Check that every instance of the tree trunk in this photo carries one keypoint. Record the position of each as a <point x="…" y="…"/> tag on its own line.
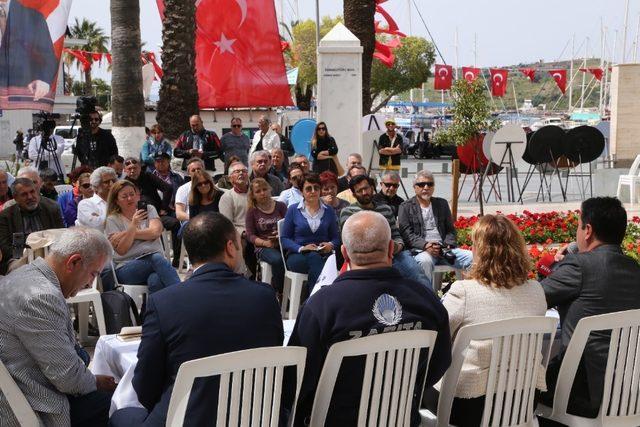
<point x="179" y="89"/>
<point x="358" y="18"/>
<point x="88" y="82"/>
<point x="126" y="79"/>
<point x="303" y="97"/>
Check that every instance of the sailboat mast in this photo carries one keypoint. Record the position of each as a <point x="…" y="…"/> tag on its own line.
<point x="584" y="74"/>
<point x="573" y="54"/>
<point x="624" y="33"/>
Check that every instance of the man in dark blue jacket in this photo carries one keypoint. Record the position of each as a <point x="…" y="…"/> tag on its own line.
<point x="371" y="298"/>
<point x="216" y="311"/>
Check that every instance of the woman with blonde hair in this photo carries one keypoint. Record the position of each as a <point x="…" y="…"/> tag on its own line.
<point x="134" y="232"/>
<point x="263" y="214"/>
<point x="497" y="288"/>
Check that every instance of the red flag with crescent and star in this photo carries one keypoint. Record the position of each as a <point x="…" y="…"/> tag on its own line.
<point x="498" y="81"/>
<point x="470" y="73"/>
<point x="529" y="73"/>
<point x="560" y="77"/>
<point x="443" y="77"/>
<point x="239" y="61"/>
<point x="597" y="72"/>
<point x="31" y="41"/>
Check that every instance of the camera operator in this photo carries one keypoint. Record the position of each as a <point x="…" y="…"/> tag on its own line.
<point x="426" y="226"/>
<point x="100" y="145"/>
<point x="45" y="149"/>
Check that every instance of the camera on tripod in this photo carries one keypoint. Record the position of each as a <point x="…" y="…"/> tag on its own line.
<point x="47" y="151"/>
<point x="85" y="105"/>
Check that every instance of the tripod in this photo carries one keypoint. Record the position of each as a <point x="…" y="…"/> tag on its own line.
<point x="49" y="144"/>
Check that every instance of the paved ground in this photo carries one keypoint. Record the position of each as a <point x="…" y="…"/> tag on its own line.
<point x="468" y="204"/>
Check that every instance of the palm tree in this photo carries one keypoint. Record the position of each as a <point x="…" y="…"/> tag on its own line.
<point x="126" y="79"/>
<point x="97" y="41"/>
<point x="178" y="89"/>
<point x="358" y="18"/>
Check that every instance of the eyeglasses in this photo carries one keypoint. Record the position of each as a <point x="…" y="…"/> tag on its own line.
<point x="262" y="161"/>
<point x="131" y="162"/>
<point x="311" y="188"/>
<point x="390" y="185"/>
<point x="236" y="126"/>
<point x="85" y="185"/>
<point x="203" y="183"/>
<point x="429" y="184"/>
<point x="239" y="171"/>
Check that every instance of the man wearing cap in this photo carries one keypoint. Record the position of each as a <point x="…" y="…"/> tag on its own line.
<point x="390" y="147"/>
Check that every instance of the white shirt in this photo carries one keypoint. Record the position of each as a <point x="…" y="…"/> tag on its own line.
<point x="270" y="141"/>
<point x="182" y="196"/>
<point x="290" y="196"/>
<point x="92" y="212"/>
<point x="34" y="146"/>
<point x="315" y="220"/>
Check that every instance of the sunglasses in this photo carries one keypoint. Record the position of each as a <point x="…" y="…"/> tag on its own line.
<point x="322" y="128"/>
<point x="422" y="184"/>
<point x="312" y="188"/>
<point x="203" y="183"/>
<point x="86" y="185"/>
<point x="131" y="162"/>
<point x="390" y="185"/>
<point x="236" y="126"/>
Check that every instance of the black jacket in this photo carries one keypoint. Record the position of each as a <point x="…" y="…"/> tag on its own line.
<point x="96" y="150"/>
<point x="411" y="223"/>
<point x="149" y="185"/>
<point x="600" y="281"/>
<point x="385" y="142"/>
<point x="211" y="149"/>
<point x="346" y="310"/>
<point x="324" y="144"/>
<point x="394" y="202"/>
<point x="49" y="216"/>
<point x="216" y="311"/>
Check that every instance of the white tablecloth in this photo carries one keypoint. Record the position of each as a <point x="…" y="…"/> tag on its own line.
<point x="118" y="359"/>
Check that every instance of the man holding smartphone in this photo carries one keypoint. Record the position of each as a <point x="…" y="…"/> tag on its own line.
<point x="426" y="226"/>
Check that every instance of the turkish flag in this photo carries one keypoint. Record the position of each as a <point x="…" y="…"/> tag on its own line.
<point x="498" y="81"/>
<point x="529" y="73"/>
<point x="443" y="77"/>
<point x="239" y="61"/>
<point x="560" y="76"/>
<point x="597" y="72"/>
<point x="470" y="73"/>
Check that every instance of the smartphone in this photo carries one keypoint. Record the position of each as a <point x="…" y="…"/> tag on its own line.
<point x="142" y="205"/>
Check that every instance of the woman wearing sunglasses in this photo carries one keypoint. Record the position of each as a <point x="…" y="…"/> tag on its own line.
<point x="310" y="232"/>
<point x="73" y="197"/>
<point x="204" y="195"/>
<point x="84" y="191"/>
<point x="323" y="150"/>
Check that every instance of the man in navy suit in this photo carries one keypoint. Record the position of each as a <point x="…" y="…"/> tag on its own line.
<point x="27" y="58"/>
<point x="216" y="311"/>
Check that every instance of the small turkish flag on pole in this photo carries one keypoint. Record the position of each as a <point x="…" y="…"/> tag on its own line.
<point x="560" y="76"/>
<point x="470" y="73"/>
<point x="443" y="77"/>
<point x="529" y="73"/>
<point x="597" y="72"/>
<point x="498" y="81"/>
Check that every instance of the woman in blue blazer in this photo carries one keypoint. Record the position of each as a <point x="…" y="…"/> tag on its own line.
<point x="310" y="232"/>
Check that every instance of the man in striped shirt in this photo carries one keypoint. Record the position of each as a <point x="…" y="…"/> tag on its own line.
<point x="363" y="188"/>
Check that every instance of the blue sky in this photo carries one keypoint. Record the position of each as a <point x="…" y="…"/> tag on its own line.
<point x="508" y="31"/>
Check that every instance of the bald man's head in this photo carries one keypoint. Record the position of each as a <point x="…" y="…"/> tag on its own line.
<point x="366" y="240"/>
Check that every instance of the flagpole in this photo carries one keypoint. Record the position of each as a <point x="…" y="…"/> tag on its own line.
<point x="573" y="54"/>
<point x="584" y="74"/>
<point x="624" y="34"/>
<point x="635" y="43"/>
<point x="602" y="45"/>
<point x="455" y="43"/>
<point x="317" y="23"/>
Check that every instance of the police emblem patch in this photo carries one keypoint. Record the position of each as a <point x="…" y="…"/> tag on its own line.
<point x="387" y="310"/>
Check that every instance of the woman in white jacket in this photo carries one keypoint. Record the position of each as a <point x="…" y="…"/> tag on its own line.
<point x="498" y="288"/>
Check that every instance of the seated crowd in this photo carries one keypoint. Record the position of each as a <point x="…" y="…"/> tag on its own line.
<point x="389" y="248"/>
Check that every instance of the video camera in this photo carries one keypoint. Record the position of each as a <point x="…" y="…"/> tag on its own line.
<point x="85" y="105"/>
<point x="45" y="124"/>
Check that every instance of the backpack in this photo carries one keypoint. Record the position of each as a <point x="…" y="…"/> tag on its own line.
<point x="118" y="308"/>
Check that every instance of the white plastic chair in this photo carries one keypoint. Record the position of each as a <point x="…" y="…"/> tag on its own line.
<point x="184" y="260"/>
<point x="266" y="272"/>
<point x="620" y="406"/>
<point x="516" y="357"/>
<point x="137" y="292"/>
<point x="388" y="387"/>
<point x="255" y="379"/>
<point x="438" y="274"/>
<point x="83" y="298"/>
<point x="292" y="291"/>
<point x="167" y="240"/>
<point x="631" y="180"/>
<point x="17" y="402"/>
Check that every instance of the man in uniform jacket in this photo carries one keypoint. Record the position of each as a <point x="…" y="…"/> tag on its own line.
<point x="215" y="311"/>
<point x="30" y="213"/>
<point x="371" y="298"/>
<point x="598" y="279"/>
